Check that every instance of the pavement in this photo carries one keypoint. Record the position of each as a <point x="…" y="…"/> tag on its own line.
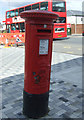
<point x="66" y="89"/>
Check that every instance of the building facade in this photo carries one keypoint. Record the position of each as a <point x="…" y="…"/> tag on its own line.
<point x="75" y="18"/>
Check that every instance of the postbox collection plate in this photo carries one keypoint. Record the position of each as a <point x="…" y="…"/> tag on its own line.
<point x="43" y="46"/>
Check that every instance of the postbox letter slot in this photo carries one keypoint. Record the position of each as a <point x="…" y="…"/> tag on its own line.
<point x="43" y="31"/>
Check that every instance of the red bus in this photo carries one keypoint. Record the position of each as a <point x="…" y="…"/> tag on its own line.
<point x="15" y="24"/>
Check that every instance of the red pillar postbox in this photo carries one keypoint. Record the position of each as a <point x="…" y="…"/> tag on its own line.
<point x="38" y="52"/>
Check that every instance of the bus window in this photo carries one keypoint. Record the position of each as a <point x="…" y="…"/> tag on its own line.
<point x="57" y="30"/>
<point x="28" y="8"/>
<point x="58" y="6"/>
<point x="17" y="26"/>
<point x="8" y="15"/>
<point x="22" y="27"/>
<point x="21" y="10"/>
<point x="12" y="13"/>
<point x="16" y="12"/>
<point x="8" y="28"/>
<point x="44" y="6"/>
<point x="13" y="27"/>
<point x="60" y="20"/>
<point x="35" y="7"/>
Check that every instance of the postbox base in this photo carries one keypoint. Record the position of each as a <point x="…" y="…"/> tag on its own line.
<point x="35" y="105"/>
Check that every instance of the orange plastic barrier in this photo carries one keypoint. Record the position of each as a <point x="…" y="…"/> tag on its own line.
<point x="11" y="37"/>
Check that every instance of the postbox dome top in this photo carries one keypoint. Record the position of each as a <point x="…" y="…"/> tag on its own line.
<point x="38" y="14"/>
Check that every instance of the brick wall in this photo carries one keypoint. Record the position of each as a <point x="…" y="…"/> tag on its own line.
<point x="72" y="29"/>
<point x="79" y="28"/>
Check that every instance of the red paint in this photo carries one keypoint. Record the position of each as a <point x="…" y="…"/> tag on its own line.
<point x="9" y="21"/>
<point x="59" y="34"/>
<point x="20" y="20"/>
<point x="38" y="66"/>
